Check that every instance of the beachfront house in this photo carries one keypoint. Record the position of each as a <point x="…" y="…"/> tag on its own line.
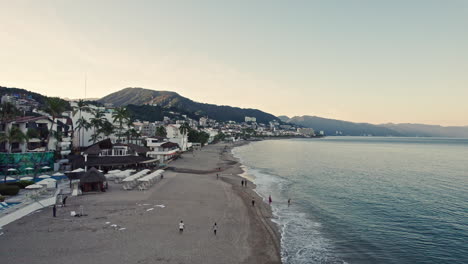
<point x="42" y="135"/>
<point x="106" y="155"/>
<point x="162" y="150"/>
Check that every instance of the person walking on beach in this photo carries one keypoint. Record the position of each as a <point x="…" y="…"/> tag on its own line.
<point x="289" y="202"/>
<point x="269" y="200"/>
<point x="242" y="183"/>
<point x="181" y="227"/>
<point x="54" y="211"/>
<point x="253" y="202"/>
<point x="64" y="201"/>
<point x="215" y="228"/>
<point x="217" y="176"/>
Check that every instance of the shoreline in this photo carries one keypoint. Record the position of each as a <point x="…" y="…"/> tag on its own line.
<point x="262" y="211"/>
<point x="134" y="226"/>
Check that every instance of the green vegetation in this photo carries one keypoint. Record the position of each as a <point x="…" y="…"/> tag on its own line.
<point x="20" y="184"/>
<point x="2" y="198"/>
<point x="55" y="107"/>
<point x="161" y="132"/>
<point x="198" y="136"/>
<point x="13" y="135"/>
<point x="9" y="190"/>
<point x="168" y="100"/>
<point x="121" y="116"/>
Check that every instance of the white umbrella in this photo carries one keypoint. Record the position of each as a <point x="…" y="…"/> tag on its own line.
<point x="57" y="174"/>
<point x="26" y="178"/>
<point x="33" y="186"/>
<point x="44" y="177"/>
<point x="45" y="168"/>
<point x="29" y="168"/>
<point x="10" y="179"/>
<point x="100" y="170"/>
<point x="78" y="170"/>
<point x="48" y="180"/>
<point x="12" y="169"/>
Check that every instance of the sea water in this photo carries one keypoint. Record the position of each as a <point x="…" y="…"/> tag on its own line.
<point x="365" y="199"/>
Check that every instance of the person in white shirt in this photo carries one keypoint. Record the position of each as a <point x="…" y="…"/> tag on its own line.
<point x="181" y="226"/>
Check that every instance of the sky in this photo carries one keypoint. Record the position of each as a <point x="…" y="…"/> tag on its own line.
<point x="399" y="61"/>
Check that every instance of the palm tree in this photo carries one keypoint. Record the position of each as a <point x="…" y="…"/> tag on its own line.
<point x="161" y="132"/>
<point x="55" y="107"/>
<point x="135" y="134"/>
<point x="97" y="122"/>
<point x="81" y="125"/>
<point x="120" y="115"/>
<point x="107" y="128"/>
<point x="8" y="111"/>
<point x="13" y="135"/>
<point x="184" y="128"/>
<point x="81" y="106"/>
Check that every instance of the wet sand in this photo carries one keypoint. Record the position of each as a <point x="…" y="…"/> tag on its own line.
<point x="147" y="233"/>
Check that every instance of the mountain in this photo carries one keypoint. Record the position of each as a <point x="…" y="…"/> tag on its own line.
<point x="333" y="127"/>
<point x="283" y="118"/>
<point x="420" y="130"/>
<point x="166" y="99"/>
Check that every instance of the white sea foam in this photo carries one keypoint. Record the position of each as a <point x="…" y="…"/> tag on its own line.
<point x="301" y="238"/>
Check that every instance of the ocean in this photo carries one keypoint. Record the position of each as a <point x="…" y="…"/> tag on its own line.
<point x="365" y="199"/>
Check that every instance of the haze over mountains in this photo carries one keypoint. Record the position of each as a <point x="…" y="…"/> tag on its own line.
<point x="338" y="127"/>
<point x="152" y="105"/>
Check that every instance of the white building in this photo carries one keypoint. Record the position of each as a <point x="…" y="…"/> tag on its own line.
<point x="250" y="119"/>
<point x="174" y="135"/>
<point x="163" y="151"/>
<point x="203" y="121"/>
<point x="306" y="131"/>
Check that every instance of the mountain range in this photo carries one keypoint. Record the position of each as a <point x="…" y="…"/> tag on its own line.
<point x="344" y="128"/>
<point x="166" y="99"/>
<point x="151" y="105"/>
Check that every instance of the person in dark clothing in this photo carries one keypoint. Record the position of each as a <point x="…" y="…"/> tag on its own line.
<point x="54" y="211"/>
<point x="64" y="201"/>
<point x="215" y="228"/>
<point x="217" y="176"/>
<point x="253" y="202"/>
<point x="242" y="182"/>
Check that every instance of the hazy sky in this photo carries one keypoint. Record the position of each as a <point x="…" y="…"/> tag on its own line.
<point x="366" y="61"/>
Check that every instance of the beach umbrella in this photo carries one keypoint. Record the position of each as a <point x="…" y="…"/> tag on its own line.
<point x="12" y="169"/>
<point x="10" y="179"/>
<point x="49" y="180"/>
<point x="45" y="168"/>
<point x="57" y="174"/>
<point x="26" y="178"/>
<point x="44" y="177"/>
<point x="33" y="186"/>
<point x="29" y="168"/>
<point x="78" y="170"/>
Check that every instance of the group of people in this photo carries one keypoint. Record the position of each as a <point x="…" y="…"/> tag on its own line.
<point x="182" y="226"/>
<point x="244" y="183"/>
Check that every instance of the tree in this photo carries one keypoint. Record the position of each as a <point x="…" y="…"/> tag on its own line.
<point x="184" y="128"/>
<point x="121" y="115"/>
<point x="96" y="123"/>
<point x="81" y="106"/>
<point x="13" y="135"/>
<point x="82" y="125"/>
<point x="8" y="111"/>
<point x="54" y="107"/>
<point x="107" y="128"/>
<point x="161" y="132"/>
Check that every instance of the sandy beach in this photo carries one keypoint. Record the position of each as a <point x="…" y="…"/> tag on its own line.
<point x="142" y="226"/>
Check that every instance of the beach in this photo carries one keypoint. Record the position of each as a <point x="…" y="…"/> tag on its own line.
<point x="142" y="226"/>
